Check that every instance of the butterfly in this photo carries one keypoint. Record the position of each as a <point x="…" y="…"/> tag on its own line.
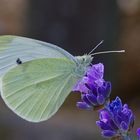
<point x="37" y="86"/>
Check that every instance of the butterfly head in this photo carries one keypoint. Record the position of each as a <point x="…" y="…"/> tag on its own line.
<point x="85" y="60"/>
<point x="82" y="65"/>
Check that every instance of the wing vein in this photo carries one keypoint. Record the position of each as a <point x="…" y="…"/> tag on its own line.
<point x="65" y="82"/>
<point x="22" y="102"/>
<point x="31" y="85"/>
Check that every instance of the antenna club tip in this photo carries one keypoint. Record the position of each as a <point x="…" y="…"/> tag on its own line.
<point x="101" y="41"/>
<point x="122" y="51"/>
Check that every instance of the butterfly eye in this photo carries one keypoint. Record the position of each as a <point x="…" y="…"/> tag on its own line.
<point x="84" y="59"/>
<point x="19" y="61"/>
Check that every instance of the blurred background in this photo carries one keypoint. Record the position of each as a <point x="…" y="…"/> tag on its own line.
<point x="77" y="26"/>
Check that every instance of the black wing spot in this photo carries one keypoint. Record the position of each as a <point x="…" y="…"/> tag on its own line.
<point x="19" y="61"/>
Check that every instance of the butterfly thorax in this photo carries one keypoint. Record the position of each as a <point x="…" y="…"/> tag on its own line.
<point x="82" y="65"/>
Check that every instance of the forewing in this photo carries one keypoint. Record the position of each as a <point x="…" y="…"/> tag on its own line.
<point x="36" y="89"/>
<point x="14" y="47"/>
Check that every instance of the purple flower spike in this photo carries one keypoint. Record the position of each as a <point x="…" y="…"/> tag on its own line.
<point x="94" y="76"/>
<point x="116" y="119"/>
<point x="138" y="132"/>
<point x="95" y="91"/>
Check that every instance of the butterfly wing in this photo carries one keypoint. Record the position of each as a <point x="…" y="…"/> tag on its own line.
<point x="36" y="89"/>
<point x="14" y="47"/>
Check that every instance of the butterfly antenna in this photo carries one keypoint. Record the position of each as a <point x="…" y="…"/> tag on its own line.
<point x="96" y="47"/>
<point x="120" y="51"/>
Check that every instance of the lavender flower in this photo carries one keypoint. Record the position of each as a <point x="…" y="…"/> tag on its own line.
<point x="93" y="76"/>
<point x="116" y="120"/>
<point x="138" y="132"/>
<point x="95" y="91"/>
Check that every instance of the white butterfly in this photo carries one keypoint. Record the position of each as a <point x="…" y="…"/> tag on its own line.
<point x="37" y="87"/>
